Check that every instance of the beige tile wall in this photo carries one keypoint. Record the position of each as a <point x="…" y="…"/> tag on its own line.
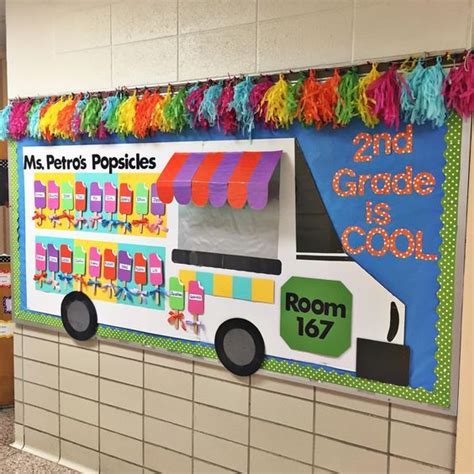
<point x="97" y="406"/>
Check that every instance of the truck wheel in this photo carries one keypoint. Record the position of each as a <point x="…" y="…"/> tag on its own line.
<point x="79" y="316"/>
<point x="240" y="346"/>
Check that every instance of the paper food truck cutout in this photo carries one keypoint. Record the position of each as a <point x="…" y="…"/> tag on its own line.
<point x="256" y="243"/>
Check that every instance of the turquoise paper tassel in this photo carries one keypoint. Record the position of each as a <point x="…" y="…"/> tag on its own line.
<point x="34" y="116"/>
<point x="242" y="107"/>
<point x="4" y="121"/>
<point x="410" y="93"/>
<point x="208" y="107"/>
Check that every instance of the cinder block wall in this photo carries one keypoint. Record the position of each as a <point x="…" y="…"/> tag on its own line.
<point x="98" y="406"/>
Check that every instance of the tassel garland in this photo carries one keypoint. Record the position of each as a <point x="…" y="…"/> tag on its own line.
<point x="413" y="92"/>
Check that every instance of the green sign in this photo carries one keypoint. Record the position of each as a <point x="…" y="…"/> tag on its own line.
<point x="315" y="316"/>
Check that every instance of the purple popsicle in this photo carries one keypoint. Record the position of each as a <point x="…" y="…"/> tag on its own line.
<point x="40" y="195"/>
<point x="53" y="259"/>
<point x="95" y="201"/>
<point x="124" y="269"/>
<point x="157" y="207"/>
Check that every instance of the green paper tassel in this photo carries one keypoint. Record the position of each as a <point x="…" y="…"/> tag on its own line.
<point x="346" y="107"/>
<point x="90" y="116"/>
<point x="175" y="112"/>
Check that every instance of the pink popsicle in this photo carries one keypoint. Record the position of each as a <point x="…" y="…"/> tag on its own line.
<point x="110" y="192"/>
<point x="53" y="196"/>
<point x="156" y="273"/>
<point x="195" y="302"/>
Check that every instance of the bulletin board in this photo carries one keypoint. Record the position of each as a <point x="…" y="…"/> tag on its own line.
<point x="321" y="221"/>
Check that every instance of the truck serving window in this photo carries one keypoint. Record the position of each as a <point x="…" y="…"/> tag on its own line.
<point x="236" y="239"/>
<point x="316" y="238"/>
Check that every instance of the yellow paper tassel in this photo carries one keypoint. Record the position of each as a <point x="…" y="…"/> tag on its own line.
<point x="276" y="102"/>
<point x="126" y="115"/>
<point x="158" y="120"/>
<point x="48" y="122"/>
<point x="364" y="103"/>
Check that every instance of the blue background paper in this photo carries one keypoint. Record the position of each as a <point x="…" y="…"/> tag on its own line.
<point x="413" y="281"/>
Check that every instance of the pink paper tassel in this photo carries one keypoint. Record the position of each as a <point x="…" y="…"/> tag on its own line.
<point x="226" y="117"/>
<point x="384" y="93"/>
<point x="458" y="88"/>
<point x="193" y="102"/>
<point x="256" y="97"/>
<point x="18" y="124"/>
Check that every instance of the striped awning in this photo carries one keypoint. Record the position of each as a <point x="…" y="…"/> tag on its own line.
<point x="235" y="177"/>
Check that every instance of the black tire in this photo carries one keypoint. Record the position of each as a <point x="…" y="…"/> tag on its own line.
<point x="79" y="316"/>
<point x="244" y="352"/>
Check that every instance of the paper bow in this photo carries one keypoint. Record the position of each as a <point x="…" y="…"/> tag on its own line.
<point x="54" y="218"/>
<point x="123" y="289"/>
<point x="143" y="221"/>
<point x="113" y="222"/>
<point x="81" y="220"/>
<point x="80" y="279"/>
<point x="95" y="283"/>
<point x="157" y="227"/>
<point x="38" y="215"/>
<point x="159" y="290"/>
<point x="109" y="286"/>
<point x="67" y="216"/>
<point x="126" y="224"/>
<point x="65" y="277"/>
<point x="95" y="219"/>
<point x="54" y="284"/>
<point x="177" y="316"/>
<point x="137" y="292"/>
<point x="191" y="322"/>
<point x="40" y="276"/>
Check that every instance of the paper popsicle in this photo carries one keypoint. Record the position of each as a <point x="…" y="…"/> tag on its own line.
<point x="156" y="274"/>
<point x="53" y="197"/>
<point x="176" y="298"/>
<point x="124" y="269"/>
<point x="141" y="202"/>
<point x="195" y="303"/>
<point x="157" y="208"/>
<point x="95" y="260"/>
<point x="53" y="263"/>
<point x="110" y="200"/>
<point x="40" y="198"/>
<point x="67" y="199"/>
<point x="110" y="268"/>
<point x="40" y="260"/>
<point x="79" y="264"/>
<point x="65" y="261"/>
<point x="140" y="272"/>
<point x="80" y="202"/>
<point x="125" y="202"/>
<point x="95" y="201"/>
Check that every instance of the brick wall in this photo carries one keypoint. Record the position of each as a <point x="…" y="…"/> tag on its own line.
<point x="100" y="406"/>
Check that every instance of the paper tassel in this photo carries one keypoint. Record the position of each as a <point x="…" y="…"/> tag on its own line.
<point x="327" y="100"/>
<point x="144" y="112"/>
<point x="458" y="87"/>
<point x="175" y="115"/>
<point x="365" y="104"/>
<point x="49" y="119"/>
<point x="34" y="117"/>
<point x="256" y="96"/>
<point x="384" y="97"/>
<point x="90" y="116"/>
<point x="208" y="107"/>
<point x="76" y="118"/>
<point x="108" y="113"/>
<point x="346" y="108"/>
<point x="4" y="121"/>
<point x="18" y="119"/>
<point x="275" y="102"/>
<point x="409" y="94"/>
<point x="126" y="115"/>
<point x="64" y="123"/>
<point x="308" y="106"/>
<point x="159" y="121"/>
<point x="295" y="91"/>
<point x="241" y="104"/>
<point x="226" y="115"/>
<point x="193" y="103"/>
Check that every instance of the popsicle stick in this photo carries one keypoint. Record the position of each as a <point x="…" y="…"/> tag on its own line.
<point x="141" y="225"/>
<point x="80" y="220"/>
<point x="195" y="325"/>
<point x="157" y="296"/>
<point x="124" y="297"/>
<point x="111" y="292"/>
<point x="141" y="296"/>
<point x="110" y="225"/>
<point x="95" y="286"/>
<point x="40" y="223"/>
<point x="125" y="226"/>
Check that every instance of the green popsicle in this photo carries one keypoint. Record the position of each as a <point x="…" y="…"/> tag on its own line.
<point x="67" y="199"/>
<point x="176" y="293"/>
<point x="141" y="201"/>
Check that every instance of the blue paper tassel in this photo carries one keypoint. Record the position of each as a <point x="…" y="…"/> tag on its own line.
<point x="108" y="107"/>
<point x="34" y="117"/>
<point x="4" y="121"/>
<point x="208" y="107"/>
<point x="242" y="107"/>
